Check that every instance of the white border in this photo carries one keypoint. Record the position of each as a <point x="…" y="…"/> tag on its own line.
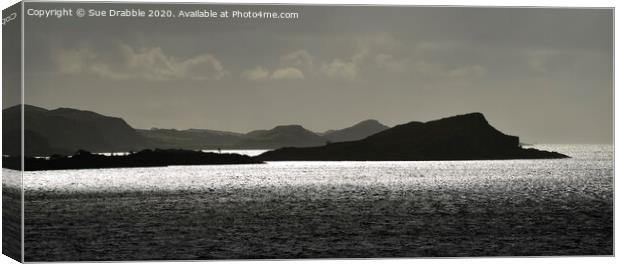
<point x="497" y="3"/>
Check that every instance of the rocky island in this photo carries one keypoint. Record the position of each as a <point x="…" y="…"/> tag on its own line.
<point x="462" y="137"/>
<point x="145" y="158"/>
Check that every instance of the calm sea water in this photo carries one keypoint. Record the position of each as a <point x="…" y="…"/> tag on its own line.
<point x="326" y="209"/>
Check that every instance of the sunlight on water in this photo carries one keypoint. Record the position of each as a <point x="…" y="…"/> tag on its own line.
<point x="249" y="152"/>
<point x="326" y="209"/>
<point x="589" y="168"/>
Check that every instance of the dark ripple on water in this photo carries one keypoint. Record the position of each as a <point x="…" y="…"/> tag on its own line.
<point x="326" y="209"/>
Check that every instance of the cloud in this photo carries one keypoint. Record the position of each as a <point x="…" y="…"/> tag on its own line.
<point x="470" y="71"/>
<point x="390" y="63"/>
<point x="74" y="60"/>
<point x="201" y="67"/>
<point x="370" y="53"/>
<point x="299" y="58"/>
<point x="151" y="64"/>
<point x="372" y="56"/>
<point x="537" y="65"/>
<point x="260" y="73"/>
<point x="340" y="69"/>
<point x="287" y="73"/>
<point x="442" y="71"/>
<point x="256" y="74"/>
<point x="367" y="53"/>
<point x="381" y="41"/>
<point x="539" y="60"/>
<point x="292" y="66"/>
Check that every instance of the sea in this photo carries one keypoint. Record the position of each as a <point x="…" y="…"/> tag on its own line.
<point x="283" y="210"/>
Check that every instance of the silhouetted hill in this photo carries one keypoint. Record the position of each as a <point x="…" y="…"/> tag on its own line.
<point x="190" y="139"/>
<point x="66" y="130"/>
<point x="145" y="158"/>
<point x="281" y="136"/>
<point x="356" y="132"/>
<point x="463" y="137"/>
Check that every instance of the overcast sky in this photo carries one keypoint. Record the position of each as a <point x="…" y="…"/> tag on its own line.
<point x="542" y="74"/>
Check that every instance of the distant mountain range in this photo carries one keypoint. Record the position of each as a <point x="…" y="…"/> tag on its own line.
<point x="281" y="136"/>
<point x="66" y="130"/>
<point x="190" y="138"/>
<point x="465" y="137"/>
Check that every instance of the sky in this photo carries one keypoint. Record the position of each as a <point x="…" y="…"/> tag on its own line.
<point x="544" y="75"/>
